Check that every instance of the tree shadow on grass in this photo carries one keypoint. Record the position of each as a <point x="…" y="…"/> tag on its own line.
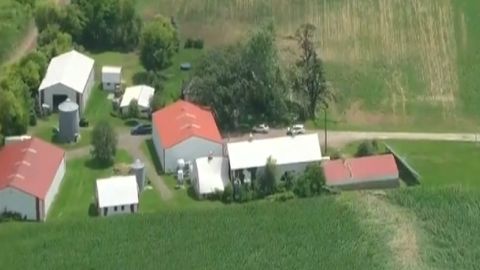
<point x="92" y="210"/>
<point x="94" y="164"/>
<point x="191" y="193"/>
<point x="153" y="156"/>
<point x="131" y="122"/>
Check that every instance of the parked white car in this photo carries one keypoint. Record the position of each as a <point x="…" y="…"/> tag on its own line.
<point x="296" y="129"/>
<point x="262" y="128"/>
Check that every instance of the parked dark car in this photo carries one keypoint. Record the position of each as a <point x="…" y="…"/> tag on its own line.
<point x="141" y="129"/>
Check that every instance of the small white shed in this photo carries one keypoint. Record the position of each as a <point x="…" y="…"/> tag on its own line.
<point x="117" y="195"/>
<point x="211" y="174"/>
<point x="143" y="94"/>
<point x="111" y="77"/>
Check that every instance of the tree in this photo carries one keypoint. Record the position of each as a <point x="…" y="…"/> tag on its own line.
<point x="53" y="42"/>
<point x="158" y="101"/>
<point x="227" y="196"/>
<point x="15" y="104"/>
<point x="47" y="14"/>
<point x="242" y="83"/>
<point x="104" y="142"/>
<point x="309" y="76"/>
<point x="268" y="180"/>
<point x="311" y="182"/>
<point x="158" y="44"/>
<point x="133" y="111"/>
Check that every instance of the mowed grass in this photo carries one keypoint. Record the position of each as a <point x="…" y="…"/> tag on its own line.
<point x="448" y="219"/>
<point x="303" y="234"/>
<point x="76" y="196"/>
<point x="442" y="164"/>
<point x="396" y="64"/>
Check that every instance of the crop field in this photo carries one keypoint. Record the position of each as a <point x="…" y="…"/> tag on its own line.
<point x="304" y="234"/>
<point x="406" y="64"/>
<point x="448" y="221"/>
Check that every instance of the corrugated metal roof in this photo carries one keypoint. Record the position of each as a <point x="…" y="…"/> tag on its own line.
<point x="182" y="120"/>
<point x="360" y="169"/>
<point x="71" y="69"/>
<point x="141" y="93"/>
<point x="212" y="174"/>
<point x="285" y="150"/>
<point x="29" y="166"/>
<point x="118" y="190"/>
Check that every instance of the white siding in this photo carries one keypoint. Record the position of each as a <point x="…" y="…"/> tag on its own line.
<point x="111" y="210"/>
<point x="189" y="150"/>
<point x="13" y="200"/>
<point x="158" y="145"/>
<point x="88" y="89"/>
<point x="297" y="168"/>
<point x="109" y="80"/>
<point x="53" y="190"/>
<point x="58" y="89"/>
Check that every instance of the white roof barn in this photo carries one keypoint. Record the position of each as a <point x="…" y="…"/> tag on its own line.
<point x="69" y="75"/>
<point x="211" y="174"/>
<point x="116" y="194"/>
<point x="141" y="93"/>
<point x="285" y="150"/>
<point x="71" y="69"/>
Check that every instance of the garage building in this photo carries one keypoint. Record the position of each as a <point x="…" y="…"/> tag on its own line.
<point x="373" y="172"/>
<point x="30" y="176"/>
<point x="69" y="75"/>
<point x="291" y="153"/>
<point x="184" y="130"/>
<point x="117" y="195"/>
<point x="143" y="94"/>
<point x="111" y="77"/>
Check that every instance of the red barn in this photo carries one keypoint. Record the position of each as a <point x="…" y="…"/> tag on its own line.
<point x="373" y="172"/>
<point x="31" y="172"/>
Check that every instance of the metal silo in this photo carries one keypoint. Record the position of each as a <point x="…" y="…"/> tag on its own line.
<point x="138" y="169"/>
<point x="68" y="121"/>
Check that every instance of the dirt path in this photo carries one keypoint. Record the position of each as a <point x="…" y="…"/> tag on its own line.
<point x="29" y="41"/>
<point x="133" y="146"/>
<point x="340" y="138"/>
<point x="397" y="224"/>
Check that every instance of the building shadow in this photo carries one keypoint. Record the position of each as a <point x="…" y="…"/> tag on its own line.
<point x="153" y="156"/>
<point x="92" y="210"/>
<point x="97" y="165"/>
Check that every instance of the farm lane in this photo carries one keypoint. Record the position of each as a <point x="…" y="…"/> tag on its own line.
<point x="133" y="146"/>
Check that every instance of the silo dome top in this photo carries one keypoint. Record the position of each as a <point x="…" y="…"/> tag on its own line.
<point x="68" y="106"/>
<point x="137" y="164"/>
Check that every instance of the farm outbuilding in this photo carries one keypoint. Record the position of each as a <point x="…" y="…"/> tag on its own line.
<point x="293" y="154"/>
<point x="184" y="130"/>
<point x="111" y="77"/>
<point x="143" y="94"/>
<point x="210" y="175"/>
<point x="30" y="176"/>
<point x="69" y="75"/>
<point x="117" y="195"/>
<point x="373" y="172"/>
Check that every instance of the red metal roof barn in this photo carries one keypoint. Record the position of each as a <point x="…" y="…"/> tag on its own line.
<point x="373" y="172"/>
<point x="30" y="176"/>
<point x="186" y="131"/>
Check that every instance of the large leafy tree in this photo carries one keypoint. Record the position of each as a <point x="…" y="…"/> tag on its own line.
<point x="268" y="180"/>
<point x="15" y="104"/>
<point x="52" y="41"/>
<point x="158" y="44"/>
<point x="242" y="83"/>
<point x="104" y="142"/>
<point x="309" y="76"/>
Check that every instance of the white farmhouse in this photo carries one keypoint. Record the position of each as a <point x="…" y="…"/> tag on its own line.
<point x="291" y="153"/>
<point x="143" y="94"/>
<point x="111" y="77"/>
<point x="210" y="175"/>
<point x="117" y="195"/>
<point x="69" y="75"/>
<point x="185" y="131"/>
<point x="31" y="172"/>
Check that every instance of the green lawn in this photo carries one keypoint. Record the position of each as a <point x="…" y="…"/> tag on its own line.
<point x="442" y="163"/>
<point x="301" y="234"/>
<point x="77" y="192"/>
<point x="44" y="130"/>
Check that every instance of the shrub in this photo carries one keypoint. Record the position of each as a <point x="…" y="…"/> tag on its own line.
<point x="368" y="148"/>
<point x="227" y="196"/>
<point x="104" y="142"/>
<point x="198" y="43"/>
<point x="133" y="111"/>
<point x="281" y="197"/>
<point x="10" y="216"/>
<point x="188" y="43"/>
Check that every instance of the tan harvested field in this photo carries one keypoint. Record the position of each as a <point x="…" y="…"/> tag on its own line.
<point x="389" y="60"/>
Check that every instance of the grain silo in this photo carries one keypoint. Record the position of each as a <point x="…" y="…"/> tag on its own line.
<point x="68" y="121"/>
<point x="138" y="168"/>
